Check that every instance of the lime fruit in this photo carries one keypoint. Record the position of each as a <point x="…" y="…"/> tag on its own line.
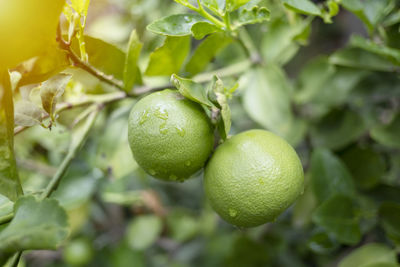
<point x="170" y="136"/>
<point x="253" y="177"/>
<point x="78" y="252"/>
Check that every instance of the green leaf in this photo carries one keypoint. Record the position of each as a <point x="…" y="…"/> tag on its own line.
<point x="337" y="129"/>
<point x="304" y="207"/>
<point x="385" y="193"/>
<point x="27" y="114"/>
<point x="358" y="58"/>
<point x="371" y="12"/>
<point x="175" y="25"/>
<point x="279" y="44"/>
<point x="366" y="166"/>
<point x="392" y="19"/>
<point x="77" y="23"/>
<point x="232" y="5"/>
<point x="66" y="192"/>
<point x="206" y="51"/>
<point x="216" y="6"/>
<point x="36" y="225"/>
<point x="329" y="175"/>
<point x="370" y="255"/>
<point x="312" y="78"/>
<point x="254" y="15"/>
<point x="379" y="49"/>
<point x="6" y="206"/>
<point x="389" y="216"/>
<point x="10" y="185"/>
<point x="182" y="225"/>
<point x="168" y="58"/>
<point x="191" y="90"/>
<point x="51" y="90"/>
<point x="333" y="7"/>
<point x="302" y="6"/>
<point x="103" y="56"/>
<point x="203" y="28"/>
<point x="337" y="215"/>
<point x="143" y="231"/>
<point x="123" y="256"/>
<point x="43" y="67"/>
<point x="266" y="98"/>
<point x="131" y="70"/>
<point x="81" y="6"/>
<point x="388" y="134"/>
<point x="318" y="97"/>
<point x="322" y="243"/>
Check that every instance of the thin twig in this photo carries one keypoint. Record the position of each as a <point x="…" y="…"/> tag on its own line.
<point x="70" y="156"/>
<point x="109" y="79"/>
<point x="146" y="89"/>
<point x="87" y="100"/>
<point x="224" y="72"/>
<point x="16" y="259"/>
<point x="37" y="167"/>
<point x="248" y="45"/>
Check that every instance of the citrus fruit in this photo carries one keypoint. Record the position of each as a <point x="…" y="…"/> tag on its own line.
<point x="78" y="252"/>
<point x="170" y="136"/>
<point x="253" y="177"/>
<point x="27" y="28"/>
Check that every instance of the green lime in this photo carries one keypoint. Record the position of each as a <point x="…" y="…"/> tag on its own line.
<point x="170" y="136"/>
<point x="78" y="252"/>
<point x="253" y="177"/>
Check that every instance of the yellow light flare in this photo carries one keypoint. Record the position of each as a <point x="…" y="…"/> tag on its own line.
<point x="27" y="28"/>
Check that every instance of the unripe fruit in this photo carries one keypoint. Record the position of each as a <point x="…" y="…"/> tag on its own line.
<point x="78" y="252"/>
<point x="253" y="177"/>
<point x="170" y="136"/>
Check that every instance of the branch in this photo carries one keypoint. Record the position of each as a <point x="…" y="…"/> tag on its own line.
<point x="92" y="99"/>
<point x="146" y="89"/>
<point x="71" y="154"/>
<point x="248" y="45"/>
<point x="231" y="70"/>
<point x="36" y="166"/>
<point x="86" y="66"/>
<point x="15" y="260"/>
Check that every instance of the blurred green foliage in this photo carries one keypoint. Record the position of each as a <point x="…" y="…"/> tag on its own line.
<point x="322" y="74"/>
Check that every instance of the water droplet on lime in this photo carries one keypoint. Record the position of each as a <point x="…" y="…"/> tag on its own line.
<point x="161" y="113"/>
<point x="163" y="128"/>
<point x="188" y="163"/>
<point x="180" y="131"/>
<point x="173" y="177"/>
<point x="144" y="117"/>
<point x="152" y="172"/>
<point x="232" y="212"/>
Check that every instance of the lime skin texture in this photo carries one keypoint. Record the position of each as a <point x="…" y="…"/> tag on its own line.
<point x="253" y="177"/>
<point x="170" y="136"/>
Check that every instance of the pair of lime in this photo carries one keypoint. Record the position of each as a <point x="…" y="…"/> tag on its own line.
<point x="250" y="179"/>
